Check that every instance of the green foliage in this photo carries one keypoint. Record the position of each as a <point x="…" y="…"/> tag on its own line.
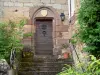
<point x="89" y="30"/>
<point x="10" y="38"/>
<point x="91" y="68"/>
<point x="27" y="35"/>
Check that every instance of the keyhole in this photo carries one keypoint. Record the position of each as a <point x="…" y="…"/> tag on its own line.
<point x="44" y="33"/>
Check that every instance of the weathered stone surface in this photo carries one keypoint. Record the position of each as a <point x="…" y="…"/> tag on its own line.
<point x="19" y="9"/>
<point x="16" y="9"/>
<point x="62" y="28"/>
<point x="26" y="14"/>
<point x="57" y="6"/>
<point x="66" y="35"/>
<point x="1" y="14"/>
<point x="27" y="40"/>
<point x="35" y="4"/>
<point x="60" y="42"/>
<point x="18" y="4"/>
<point x="53" y="1"/>
<point x="27" y="28"/>
<point x="48" y="4"/>
<point x="27" y="1"/>
<point x="8" y="4"/>
<point x="64" y="7"/>
<point x="1" y="4"/>
<point x="66" y="13"/>
<point x="28" y="4"/>
<point x="66" y="22"/>
<point x="58" y="34"/>
<point x="14" y="0"/>
<point x="45" y="1"/>
<point x="4" y="0"/>
<point x="4" y="66"/>
<point x="61" y="1"/>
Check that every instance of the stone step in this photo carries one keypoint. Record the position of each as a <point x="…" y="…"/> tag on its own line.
<point x="45" y="48"/>
<point x="38" y="72"/>
<point x="45" y="60"/>
<point x="42" y="52"/>
<point x="44" y="63"/>
<point x="41" y="68"/>
<point x="27" y="60"/>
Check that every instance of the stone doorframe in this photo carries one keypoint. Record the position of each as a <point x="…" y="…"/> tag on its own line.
<point x="52" y="14"/>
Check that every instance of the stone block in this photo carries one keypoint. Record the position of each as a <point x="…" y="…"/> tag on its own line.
<point x="66" y="13"/>
<point x="57" y="6"/>
<point x="66" y="35"/>
<point x="45" y="1"/>
<point x="28" y="4"/>
<point x="25" y="0"/>
<point x="4" y="66"/>
<point x="26" y="14"/>
<point x="35" y="4"/>
<point x="64" y="7"/>
<point x="66" y="22"/>
<point x="11" y="14"/>
<point x="61" y="1"/>
<point x="8" y="4"/>
<point x="59" y="11"/>
<point x="58" y="34"/>
<point x="27" y="28"/>
<point x="60" y="42"/>
<point x="28" y="1"/>
<point x="1" y="14"/>
<point x="4" y="0"/>
<point x="48" y="4"/>
<point x="1" y="4"/>
<point x="62" y="28"/>
<point x="19" y="9"/>
<point x="18" y="4"/>
<point x="53" y="1"/>
<point x="13" y="0"/>
<point x="26" y="42"/>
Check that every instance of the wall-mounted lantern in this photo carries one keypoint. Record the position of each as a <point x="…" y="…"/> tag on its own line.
<point x="62" y="15"/>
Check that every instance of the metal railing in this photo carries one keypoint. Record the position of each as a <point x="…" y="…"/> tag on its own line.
<point x="12" y="57"/>
<point x="77" y="56"/>
<point x="14" y="60"/>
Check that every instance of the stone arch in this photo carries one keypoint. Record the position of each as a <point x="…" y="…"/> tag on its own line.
<point x="56" y="20"/>
<point x="34" y="11"/>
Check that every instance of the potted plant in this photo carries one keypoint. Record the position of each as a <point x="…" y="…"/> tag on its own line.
<point x="65" y="51"/>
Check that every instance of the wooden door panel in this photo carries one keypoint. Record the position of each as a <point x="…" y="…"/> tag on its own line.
<point x="44" y="41"/>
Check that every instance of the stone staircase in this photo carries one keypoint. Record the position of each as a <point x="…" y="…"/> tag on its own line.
<point x="41" y="65"/>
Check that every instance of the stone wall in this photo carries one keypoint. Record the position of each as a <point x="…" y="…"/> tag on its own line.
<point x="18" y="9"/>
<point x="10" y="9"/>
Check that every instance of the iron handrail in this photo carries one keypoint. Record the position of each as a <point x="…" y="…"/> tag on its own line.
<point x="73" y="48"/>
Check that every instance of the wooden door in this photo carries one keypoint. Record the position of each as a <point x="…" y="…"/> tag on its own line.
<point x="44" y="40"/>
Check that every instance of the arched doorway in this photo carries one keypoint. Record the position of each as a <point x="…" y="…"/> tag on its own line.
<point x="45" y="20"/>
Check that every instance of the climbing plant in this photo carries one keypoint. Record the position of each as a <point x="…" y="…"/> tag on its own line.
<point x="10" y="37"/>
<point x="89" y="29"/>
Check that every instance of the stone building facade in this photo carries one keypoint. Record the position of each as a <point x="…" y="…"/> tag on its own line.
<point x="44" y="21"/>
